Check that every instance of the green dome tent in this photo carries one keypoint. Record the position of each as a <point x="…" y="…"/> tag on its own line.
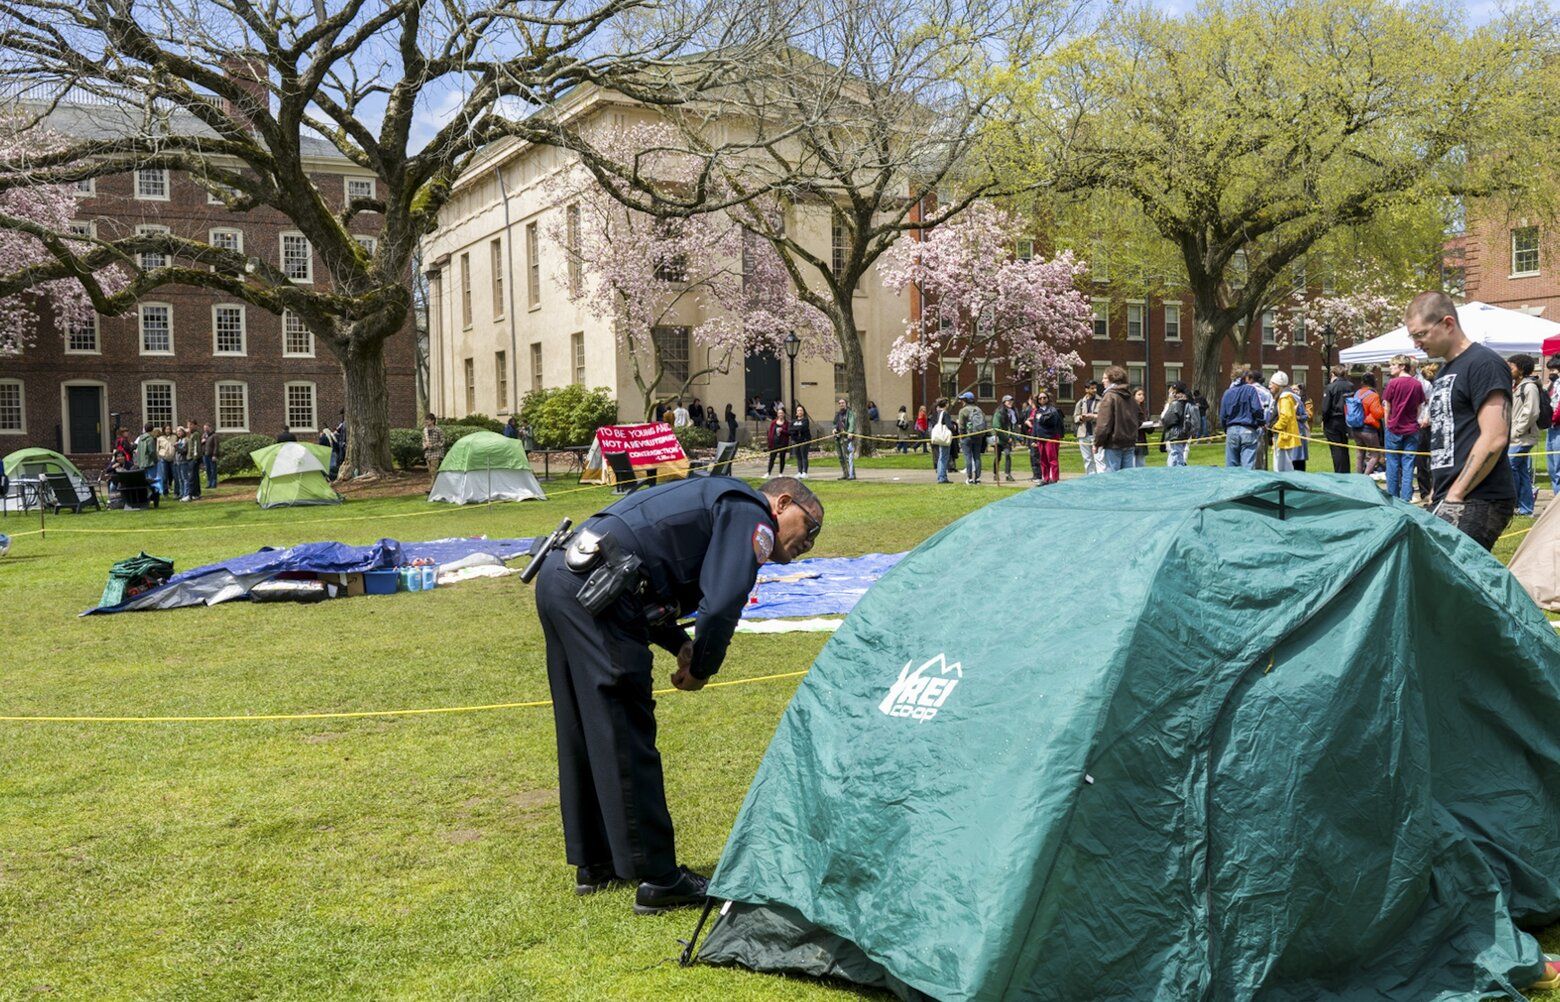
<point x="293" y="473"/>
<point x="1194" y="734"/>
<point x="485" y="466"/>
<point x="32" y="461"/>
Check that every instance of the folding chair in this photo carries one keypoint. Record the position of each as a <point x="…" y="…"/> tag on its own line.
<point x="627" y="481"/>
<point x="66" y="494"/>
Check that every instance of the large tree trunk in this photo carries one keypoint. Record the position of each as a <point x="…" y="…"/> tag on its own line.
<point x="855" y="372"/>
<point x="368" y="409"/>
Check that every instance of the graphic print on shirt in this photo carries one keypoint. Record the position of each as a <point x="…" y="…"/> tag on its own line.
<point x="1443" y="429"/>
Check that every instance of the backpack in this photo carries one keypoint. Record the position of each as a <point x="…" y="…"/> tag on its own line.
<point x="977" y="420"/>
<point x="1354" y="411"/>
<point x="1546" y="415"/>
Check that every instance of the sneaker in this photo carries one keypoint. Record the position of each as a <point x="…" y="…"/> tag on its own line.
<point x="1550" y="979"/>
<point x="688" y="888"/>
<point x="1010" y="478"/>
<point x="597" y="877"/>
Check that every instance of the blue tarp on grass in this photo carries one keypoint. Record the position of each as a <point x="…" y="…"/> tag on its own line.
<point x="834" y="591"/>
<point x="231" y="579"/>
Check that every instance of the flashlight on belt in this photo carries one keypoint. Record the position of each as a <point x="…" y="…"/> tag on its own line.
<point x="543" y="546"/>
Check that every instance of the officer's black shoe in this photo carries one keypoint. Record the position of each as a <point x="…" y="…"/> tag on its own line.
<point x="599" y="877"/>
<point x="688" y="888"/>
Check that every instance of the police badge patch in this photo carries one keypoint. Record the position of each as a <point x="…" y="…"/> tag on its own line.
<point x="763" y="542"/>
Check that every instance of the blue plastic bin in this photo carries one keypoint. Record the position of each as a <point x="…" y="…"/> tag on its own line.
<point x="379" y="582"/>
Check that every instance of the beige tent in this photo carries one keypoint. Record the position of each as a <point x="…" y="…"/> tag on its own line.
<point x="651" y="447"/>
<point x="1537" y="561"/>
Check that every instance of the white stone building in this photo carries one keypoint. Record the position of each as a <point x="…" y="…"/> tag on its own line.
<point x="501" y="322"/>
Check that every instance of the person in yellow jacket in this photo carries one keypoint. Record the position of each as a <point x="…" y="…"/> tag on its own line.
<point x="1287" y="443"/>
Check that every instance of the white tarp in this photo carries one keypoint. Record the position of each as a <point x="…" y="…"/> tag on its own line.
<point x="476" y="486"/>
<point x="1507" y="332"/>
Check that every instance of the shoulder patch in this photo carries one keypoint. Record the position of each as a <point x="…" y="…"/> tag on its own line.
<point x="763" y="542"/>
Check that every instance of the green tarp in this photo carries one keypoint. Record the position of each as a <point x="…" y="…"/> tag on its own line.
<point x="1189" y="734"/>
<point x="293" y="473"/>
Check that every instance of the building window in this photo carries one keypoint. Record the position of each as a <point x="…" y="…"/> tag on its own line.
<point x="82" y="228"/>
<point x="297" y="258"/>
<point x="986" y="380"/>
<point x="151" y="183"/>
<point x="672" y="267"/>
<point x="157" y="404"/>
<point x="1099" y="372"/>
<point x="1172" y="372"/>
<point x="1134" y="321"/>
<point x="151" y="259"/>
<point x="496" y="265"/>
<point x="156" y="329"/>
<point x="300" y="407"/>
<point x="1297" y="330"/>
<point x="501" y="379"/>
<point x="1137" y="374"/>
<point x="226" y="239"/>
<point x="11" y="411"/>
<point x="837" y="238"/>
<point x="1269" y="329"/>
<point x="1524" y="251"/>
<point x="1298" y="286"/>
<point x="227" y="330"/>
<point x="368" y="243"/>
<point x="471" y="386"/>
<point x="1300" y="376"/>
<point x="82" y="338"/>
<point x="572" y="234"/>
<point x="536" y="365"/>
<point x="1172" y="321"/>
<point x="948" y="370"/>
<point x="360" y="187"/>
<point x="1101" y="319"/>
<point x="671" y="346"/>
<point x="297" y="339"/>
<point x="577" y="344"/>
<point x="1064" y="385"/>
<point x="465" y="290"/>
<point x="84" y="188"/>
<point x="232" y="407"/>
<point x="218" y="194"/>
<point x="533" y="266"/>
<point x="1025" y="250"/>
<point x="841" y="383"/>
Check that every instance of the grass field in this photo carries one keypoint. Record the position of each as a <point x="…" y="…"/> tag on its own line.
<point x="381" y="857"/>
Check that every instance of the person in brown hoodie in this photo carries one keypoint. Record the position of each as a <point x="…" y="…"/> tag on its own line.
<point x="1116" y="428"/>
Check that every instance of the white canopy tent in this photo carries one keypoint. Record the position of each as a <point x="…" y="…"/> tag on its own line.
<point x="1508" y="332"/>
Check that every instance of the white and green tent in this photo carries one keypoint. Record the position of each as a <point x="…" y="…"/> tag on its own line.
<point x="293" y="473"/>
<point x="485" y="466"/>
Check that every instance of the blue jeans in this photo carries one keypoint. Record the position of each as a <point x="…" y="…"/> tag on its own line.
<point x="1176" y="453"/>
<point x="971" y="459"/>
<point x="1240" y="446"/>
<point x="940" y="456"/>
<point x="1553" y="458"/>
<point x="1400" y="469"/>
<point x="211" y="470"/>
<point x="1522" y="475"/>
<point x="1118" y="459"/>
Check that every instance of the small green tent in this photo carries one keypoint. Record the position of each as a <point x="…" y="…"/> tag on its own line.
<point x="45" y="460"/>
<point x="1186" y="734"/>
<point x="485" y="466"/>
<point x="293" y="473"/>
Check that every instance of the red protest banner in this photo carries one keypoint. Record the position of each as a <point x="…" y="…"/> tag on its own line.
<point x="646" y="444"/>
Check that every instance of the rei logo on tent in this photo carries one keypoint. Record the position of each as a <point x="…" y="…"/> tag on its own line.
<point x="919" y="695"/>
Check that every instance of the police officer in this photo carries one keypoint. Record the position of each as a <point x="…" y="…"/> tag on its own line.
<point x="620" y="583"/>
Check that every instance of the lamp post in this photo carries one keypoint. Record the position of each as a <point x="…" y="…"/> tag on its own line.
<point x="793" y="344"/>
<point x="1329" y="338"/>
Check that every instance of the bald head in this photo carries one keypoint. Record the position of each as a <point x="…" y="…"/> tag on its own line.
<point x="1431" y="307"/>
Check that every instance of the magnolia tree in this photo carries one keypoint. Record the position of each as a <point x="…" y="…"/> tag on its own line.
<point x="979" y="301"/>
<point x="645" y="274"/>
<point x="38" y="215"/>
<point x="1354" y="316"/>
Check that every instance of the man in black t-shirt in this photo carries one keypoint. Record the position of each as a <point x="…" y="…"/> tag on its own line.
<point x="1470" y="408"/>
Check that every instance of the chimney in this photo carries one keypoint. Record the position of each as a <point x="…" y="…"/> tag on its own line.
<point x="251" y="74"/>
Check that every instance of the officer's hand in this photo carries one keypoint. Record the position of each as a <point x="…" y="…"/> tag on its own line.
<point x="686" y="680"/>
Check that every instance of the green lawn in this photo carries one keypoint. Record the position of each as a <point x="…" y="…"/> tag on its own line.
<point x="411" y="857"/>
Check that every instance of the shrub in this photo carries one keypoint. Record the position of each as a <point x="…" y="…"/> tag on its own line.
<point x="406" y="449"/>
<point x="478" y="421"/>
<point x="568" y="415"/>
<point x="695" y="438"/>
<point x="233" y="452"/>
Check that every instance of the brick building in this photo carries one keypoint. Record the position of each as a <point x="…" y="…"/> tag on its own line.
<point x="1508" y="261"/>
<point x="187" y="352"/>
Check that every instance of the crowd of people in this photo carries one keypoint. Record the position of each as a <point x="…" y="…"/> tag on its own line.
<point x="173" y="456"/>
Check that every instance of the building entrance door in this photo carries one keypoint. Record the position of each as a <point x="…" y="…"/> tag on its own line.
<point x="85" y="407"/>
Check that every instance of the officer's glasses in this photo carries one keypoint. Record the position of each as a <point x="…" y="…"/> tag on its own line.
<point x="813" y="525"/>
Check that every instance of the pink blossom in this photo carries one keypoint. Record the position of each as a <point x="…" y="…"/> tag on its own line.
<point x="1354" y="316"/>
<point x="979" y="301"/>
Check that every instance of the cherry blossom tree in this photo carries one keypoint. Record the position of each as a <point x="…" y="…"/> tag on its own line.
<point x="982" y="302"/>
<point x="1370" y="309"/>
<point x="651" y="277"/>
<point x="34" y="217"/>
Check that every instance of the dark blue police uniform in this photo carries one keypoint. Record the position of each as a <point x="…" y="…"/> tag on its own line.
<point x="696" y="539"/>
